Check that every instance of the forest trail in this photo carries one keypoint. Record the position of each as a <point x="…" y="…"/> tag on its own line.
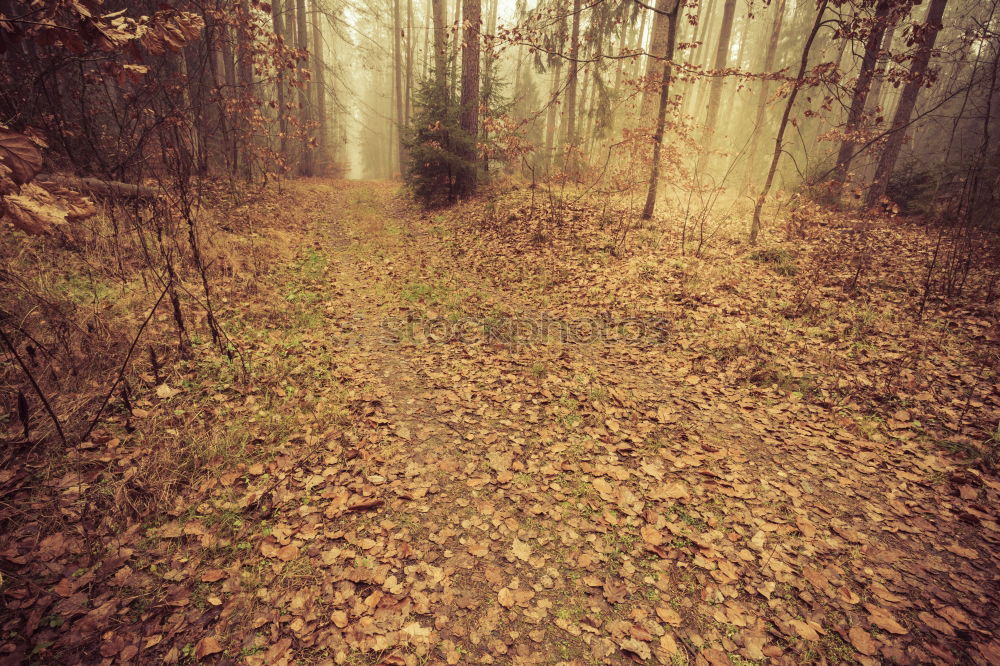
<point x="555" y="501"/>
<point x="484" y="435"/>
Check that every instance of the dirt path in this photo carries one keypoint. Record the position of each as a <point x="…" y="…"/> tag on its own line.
<point x="552" y="502"/>
<point x="482" y="436"/>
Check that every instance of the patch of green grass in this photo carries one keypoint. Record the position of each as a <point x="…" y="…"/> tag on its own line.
<point x="299" y="294"/>
<point x="782" y="260"/>
<point x="737" y="660"/>
<point x="419" y="292"/>
<point x="863" y="322"/>
<point x="85" y="289"/>
<point x="597" y="393"/>
<point x="313" y="265"/>
<point x="681" y="513"/>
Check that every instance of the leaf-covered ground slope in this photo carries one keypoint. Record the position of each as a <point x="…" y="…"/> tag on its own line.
<point x="545" y="451"/>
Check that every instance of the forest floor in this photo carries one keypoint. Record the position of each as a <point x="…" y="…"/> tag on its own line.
<point x="483" y="436"/>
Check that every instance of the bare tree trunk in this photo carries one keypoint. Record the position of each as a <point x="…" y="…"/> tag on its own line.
<point x="721" y="60"/>
<point x="454" y="51"/>
<point x="425" y="61"/>
<point x="765" y="88"/>
<point x="875" y="94"/>
<point x="319" y="65"/>
<point x="661" y="115"/>
<point x="409" y="64"/>
<point x="569" y="136"/>
<point x="662" y="25"/>
<point x="397" y="86"/>
<point x="552" y="114"/>
<point x="789" y="104"/>
<point x="470" y="87"/>
<point x="907" y="101"/>
<point x="229" y="95"/>
<point x="244" y="70"/>
<point x="440" y="61"/>
<point x="620" y="65"/>
<point x="305" y="112"/>
<point x="491" y="27"/>
<point x="873" y="44"/>
<point x="636" y="63"/>
<point x="279" y="30"/>
<point x="693" y="90"/>
<point x="215" y="83"/>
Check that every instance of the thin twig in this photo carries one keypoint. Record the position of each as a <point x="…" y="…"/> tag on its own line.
<point x="34" y="385"/>
<point x="128" y="357"/>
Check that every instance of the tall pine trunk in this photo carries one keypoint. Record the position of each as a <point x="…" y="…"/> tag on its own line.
<point x="305" y="112"/>
<point x="397" y="86"/>
<point x="661" y="114"/>
<point x="440" y="55"/>
<point x="470" y="90"/>
<point x="408" y="97"/>
<point x="279" y="30"/>
<point x="569" y="135"/>
<point x="319" y="66"/>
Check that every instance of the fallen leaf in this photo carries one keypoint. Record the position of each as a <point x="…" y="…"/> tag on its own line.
<point x="862" y="641"/>
<point x="804" y="630"/>
<point x="287" y="553"/>
<point x="164" y="391"/>
<point x="883" y="619"/>
<point x="521" y="550"/>
<point x="207" y="646"/>
<point x="366" y="505"/>
<point x="638" y="648"/>
<point x="668" y="615"/>
<point x="967" y="553"/>
<point x="602" y="486"/>
<point x="806" y="527"/>
<point x="213" y="575"/>
<point x="936" y="623"/>
<point x="651" y="535"/>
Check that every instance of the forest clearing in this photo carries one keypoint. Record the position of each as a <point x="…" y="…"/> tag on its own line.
<point x="462" y="332"/>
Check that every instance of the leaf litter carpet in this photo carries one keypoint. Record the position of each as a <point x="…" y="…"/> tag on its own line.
<point x="499" y="497"/>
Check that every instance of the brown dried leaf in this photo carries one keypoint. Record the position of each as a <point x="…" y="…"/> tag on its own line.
<point x="651" y="535"/>
<point x="806" y="527"/>
<point x="936" y="623"/>
<point x="637" y="648"/>
<point x="21" y="155"/>
<point x="862" y="641"/>
<point x="668" y="615"/>
<point x="213" y="575"/>
<point x="883" y="619"/>
<point x="207" y="646"/>
<point x="804" y="630"/>
<point x="521" y="550"/>
<point x="366" y="505"/>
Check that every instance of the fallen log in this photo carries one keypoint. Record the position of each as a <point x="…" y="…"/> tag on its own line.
<point x="105" y="189"/>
